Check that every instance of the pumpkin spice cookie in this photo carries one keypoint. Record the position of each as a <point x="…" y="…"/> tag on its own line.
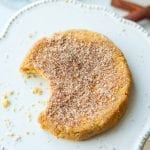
<point x="89" y="80"/>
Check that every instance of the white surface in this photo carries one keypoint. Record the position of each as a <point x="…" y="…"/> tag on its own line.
<point x="7" y="10"/>
<point x="127" y="135"/>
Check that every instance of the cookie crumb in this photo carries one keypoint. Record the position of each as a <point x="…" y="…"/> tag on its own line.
<point x="1" y="138"/>
<point x="123" y="30"/>
<point x="34" y="76"/>
<point x="11" y="134"/>
<point x="29" y="116"/>
<point x="21" y="108"/>
<point x="11" y="92"/>
<point x="33" y="105"/>
<point x="27" y="76"/>
<point x="37" y="90"/>
<point x="5" y="102"/>
<point x="14" y="109"/>
<point x="41" y="84"/>
<point x="6" y="56"/>
<point x="42" y="102"/>
<point x="30" y="35"/>
<point x="8" y="93"/>
<point x="27" y="133"/>
<point x="18" y="138"/>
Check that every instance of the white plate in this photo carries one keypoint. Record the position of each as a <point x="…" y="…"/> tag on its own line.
<point x="43" y="18"/>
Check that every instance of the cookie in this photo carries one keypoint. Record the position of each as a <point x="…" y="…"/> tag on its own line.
<point x="89" y="80"/>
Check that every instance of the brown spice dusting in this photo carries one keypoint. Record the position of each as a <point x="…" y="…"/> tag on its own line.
<point x="82" y="76"/>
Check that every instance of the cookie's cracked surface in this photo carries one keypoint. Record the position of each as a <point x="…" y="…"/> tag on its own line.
<point x="89" y="80"/>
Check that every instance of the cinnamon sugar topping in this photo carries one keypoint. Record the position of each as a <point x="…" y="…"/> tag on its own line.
<point x="82" y="74"/>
